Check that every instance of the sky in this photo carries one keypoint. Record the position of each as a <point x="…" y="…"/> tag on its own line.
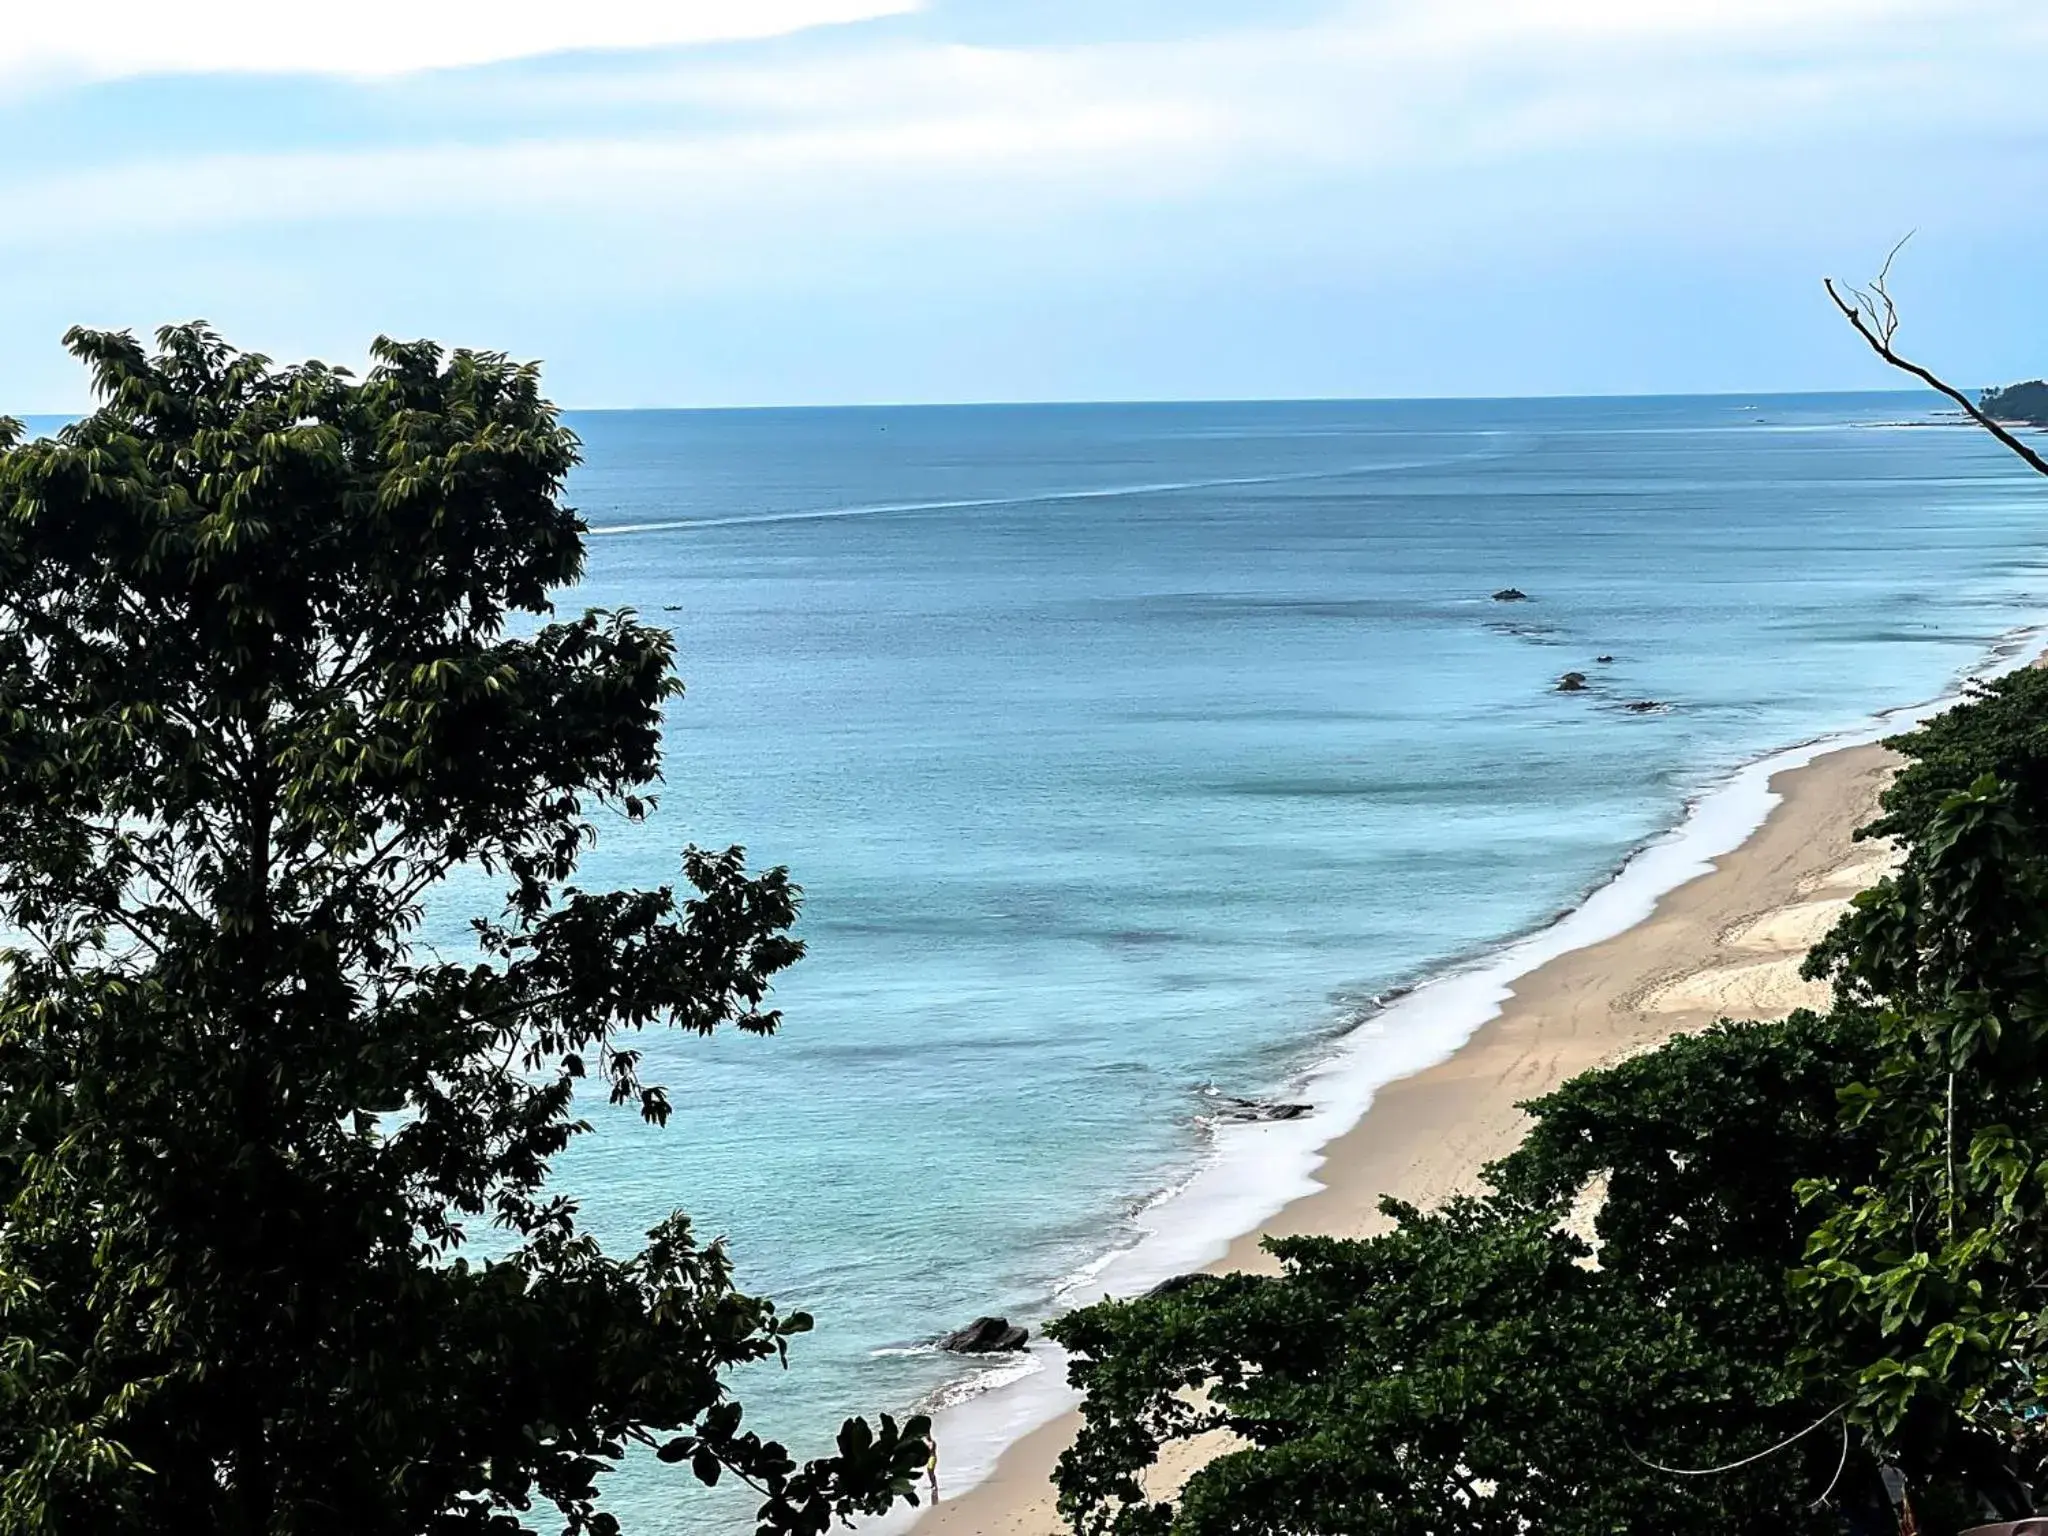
<point x="736" y="202"/>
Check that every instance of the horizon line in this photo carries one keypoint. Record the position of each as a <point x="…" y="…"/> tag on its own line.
<point x="1168" y="400"/>
<point x="1141" y="400"/>
<point x="1165" y="400"/>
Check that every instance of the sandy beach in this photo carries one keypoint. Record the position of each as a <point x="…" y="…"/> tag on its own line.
<point x="1727" y="944"/>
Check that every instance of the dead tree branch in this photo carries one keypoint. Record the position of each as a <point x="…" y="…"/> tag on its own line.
<point x="1876" y="319"/>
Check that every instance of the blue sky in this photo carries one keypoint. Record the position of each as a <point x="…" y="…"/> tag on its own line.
<point x="694" y="202"/>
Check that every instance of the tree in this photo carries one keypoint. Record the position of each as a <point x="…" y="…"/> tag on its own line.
<point x="260" y="694"/>
<point x="1922" y="1281"/>
<point x="1921" y="1289"/>
<point x="1470" y="1371"/>
<point x="2007" y="737"/>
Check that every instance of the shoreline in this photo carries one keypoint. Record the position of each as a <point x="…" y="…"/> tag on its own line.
<point x="1725" y="938"/>
<point x="1708" y="921"/>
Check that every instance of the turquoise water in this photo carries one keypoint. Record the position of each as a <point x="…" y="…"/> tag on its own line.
<point x="1130" y="751"/>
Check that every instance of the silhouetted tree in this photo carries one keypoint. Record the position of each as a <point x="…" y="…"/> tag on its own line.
<point x="259" y="698"/>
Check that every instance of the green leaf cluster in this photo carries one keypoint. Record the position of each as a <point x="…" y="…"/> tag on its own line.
<point x="1474" y="1369"/>
<point x="1923" y="1282"/>
<point x="277" y="658"/>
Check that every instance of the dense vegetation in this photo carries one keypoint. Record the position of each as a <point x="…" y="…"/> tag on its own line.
<point x="1820" y="1252"/>
<point x="2026" y="402"/>
<point x="275" y="662"/>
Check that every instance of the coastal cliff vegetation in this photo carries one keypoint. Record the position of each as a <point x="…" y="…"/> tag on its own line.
<point x="280" y="1253"/>
<point x="1814" y="1297"/>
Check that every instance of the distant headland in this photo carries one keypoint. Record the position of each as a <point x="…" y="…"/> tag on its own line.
<point x="2018" y="402"/>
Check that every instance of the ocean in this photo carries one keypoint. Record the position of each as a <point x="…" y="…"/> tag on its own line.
<point x="1135" y="755"/>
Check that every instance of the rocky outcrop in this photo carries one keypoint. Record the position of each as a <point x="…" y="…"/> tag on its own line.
<point x="986" y="1336"/>
<point x="1511" y="595"/>
<point x="1258" y="1109"/>
<point x="1572" y="682"/>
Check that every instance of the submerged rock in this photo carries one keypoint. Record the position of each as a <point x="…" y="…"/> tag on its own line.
<point x="1646" y="706"/>
<point x="1511" y="595"/>
<point x="1603" y="660"/>
<point x="1572" y="682"/>
<point x="986" y="1336"/>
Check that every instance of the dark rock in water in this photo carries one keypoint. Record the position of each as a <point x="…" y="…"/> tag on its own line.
<point x="1603" y="660"/>
<point x="986" y="1336"/>
<point x="1572" y="682"/>
<point x="671" y="607"/>
<point x="1228" y="1108"/>
<point x="1647" y="706"/>
<point x="1173" y="1285"/>
<point x="1511" y="595"/>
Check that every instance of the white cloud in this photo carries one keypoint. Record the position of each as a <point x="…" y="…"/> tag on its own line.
<point x="914" y="212"/>
<point x="1384" y="115"/>
<point x="694" y="177"/>
<point x="1417" y="82"/>
<point x="113" y="38"/>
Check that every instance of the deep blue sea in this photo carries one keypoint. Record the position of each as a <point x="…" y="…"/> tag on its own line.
<point x="1127" y="754"/>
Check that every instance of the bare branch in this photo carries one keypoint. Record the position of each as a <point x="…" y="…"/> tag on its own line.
<point x="1876" y="321"/>
<point x="1877" y="304"/>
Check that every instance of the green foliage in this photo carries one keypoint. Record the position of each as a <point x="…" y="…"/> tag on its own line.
<point x="1465" y="1373"/>
<point x="257" y="699"/>
<point x="1470" y="1372"/>
<point x="2017" y="402"/>
<point x="2002" y="731"/>
<point x="1696" y="1147"/>
<point x="1924" y="1281"/>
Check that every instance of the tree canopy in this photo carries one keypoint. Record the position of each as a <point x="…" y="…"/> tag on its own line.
<point x="1473" y="1370"/>
<point x="261" y="694"/>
